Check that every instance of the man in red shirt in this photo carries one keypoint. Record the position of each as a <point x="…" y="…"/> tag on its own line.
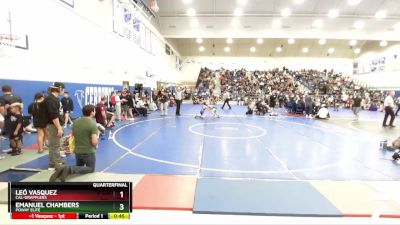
<point x="104" y="117"/>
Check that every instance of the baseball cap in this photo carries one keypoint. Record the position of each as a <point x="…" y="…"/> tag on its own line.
<point x="58" y="85"/>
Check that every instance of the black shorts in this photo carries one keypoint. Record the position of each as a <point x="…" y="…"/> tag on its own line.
<point x="40" y="125"/>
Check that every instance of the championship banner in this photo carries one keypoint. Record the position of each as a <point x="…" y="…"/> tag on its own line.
<point x="126" y="23"/>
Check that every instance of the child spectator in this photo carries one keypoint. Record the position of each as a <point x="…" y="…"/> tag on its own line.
<point x="16" y="128"/>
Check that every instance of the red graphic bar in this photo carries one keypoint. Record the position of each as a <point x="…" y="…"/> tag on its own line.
<point x="41" y="216"/>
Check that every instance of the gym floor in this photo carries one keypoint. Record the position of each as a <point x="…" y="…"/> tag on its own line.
<point x="199" y="162"/>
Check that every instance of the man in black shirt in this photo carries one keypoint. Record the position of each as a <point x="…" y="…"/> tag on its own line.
<point x="54" y="123"/>
<point x="356" y="106"/>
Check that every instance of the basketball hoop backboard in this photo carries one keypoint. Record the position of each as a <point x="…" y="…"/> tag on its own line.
<point x="11" y="34"/>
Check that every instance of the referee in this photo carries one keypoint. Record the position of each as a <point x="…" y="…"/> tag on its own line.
<point x="389" y="106"/>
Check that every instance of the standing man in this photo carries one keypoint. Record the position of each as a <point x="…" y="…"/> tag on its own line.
<point x="163" y="99"/>
<point x="86" y="139"/>
<point x="178" y="100"/>
<point x="68" y="108"/>
<point x="227" y="97"/>
<point x="309" y="105"/>
<point x="118" y="106"/>
<point x="356" y="106"/>
<point x="55" y="121"/>
<point x="389" y="106"/>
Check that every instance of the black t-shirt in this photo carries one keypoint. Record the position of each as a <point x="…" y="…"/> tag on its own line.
<point x="37" y="110"/>
<point x="124" y="98"/>
<point x="67" y="104"/>
<point x="52" y="107"/>
<point x="14" y="121"/>
<point x="357" y="102"/>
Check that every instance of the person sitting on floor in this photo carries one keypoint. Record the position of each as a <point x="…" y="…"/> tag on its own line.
<point x="323" y="113"/>
<point x="141" y="107"/>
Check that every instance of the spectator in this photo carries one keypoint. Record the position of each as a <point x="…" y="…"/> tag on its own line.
<point x="124" y="104"/>
<point x="38" y="113"/>
<point x="68" y="108"/>
<point x="163" y="99"/>
<point x="16" y="128"/>
<point x="398" y="106"/>
<point x="6" y="100"/>
<point x="356" y="107"/>
<point x="141" y="107"/>
<point x="86" y="139"/>
<point x="308" y="106"/>
<point x="323" y="113"/>
<point x="54" y="123"/>
<point x="118" y="108"/>
<point x="103" y="116"/>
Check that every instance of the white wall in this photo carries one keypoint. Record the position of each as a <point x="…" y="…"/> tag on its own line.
<point x="191" y="64"/>
<point x="78" y="45"/>
<point x="388" y="79"/>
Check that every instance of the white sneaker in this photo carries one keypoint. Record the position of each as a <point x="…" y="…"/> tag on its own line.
<point x="7" y="150"/>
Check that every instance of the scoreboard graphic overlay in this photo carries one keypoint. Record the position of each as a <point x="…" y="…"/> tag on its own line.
<point x="94" y="200"/>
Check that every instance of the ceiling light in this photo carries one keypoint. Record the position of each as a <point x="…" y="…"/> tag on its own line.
<point x="279" y="49"/>
<point x="298" y="2"/>
<point x="357" y="51"/>
<point x="260" y="41"/>
<point x="242" y="2"/>
<point x="229" y="41"/>
<point x="276" y="23"/>
<point x="396" y="27"/>
<point x="331" y="50"/>
<point x="383" y="43"/>
<point x="191" y="12"/>
<point x="333" y="13"/>
<point x="194" y="23"/>
<point x="322" y="41"/>
<point x="359" y="25"/>
<point x="353" y="2"/>
<point x="187" y="2"/>
<point x="380" y="14"/>
<point x="201" y="49"/>
<point x="235" y="23"/>
<point x="238" y="12"/>
<point x="318" y="23"/>
<point x="199" y="40"/>
<point x="286" y="12"/>
<point x="291" y="41"/>
<point x="227" y="49"/>
<point x="253" y="49"/>
<point x="352" y="42"/>
<point x="305" y="50"/>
